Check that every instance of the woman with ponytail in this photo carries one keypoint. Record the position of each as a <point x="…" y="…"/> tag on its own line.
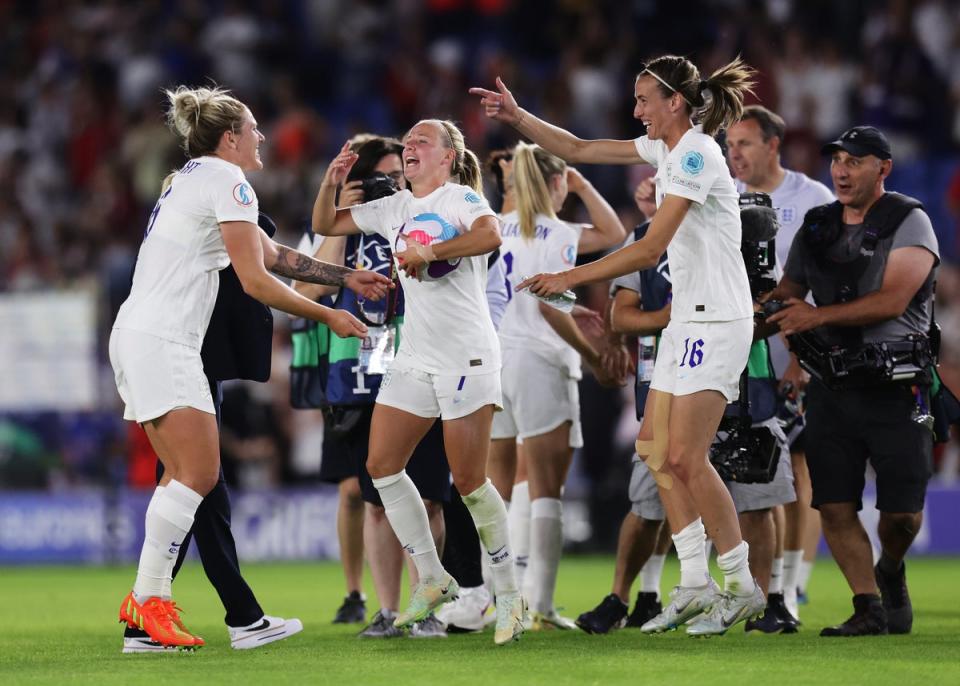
<point x="704" y="349"/>
<point x="542" y="349"/>
<point x="441" y="230"/>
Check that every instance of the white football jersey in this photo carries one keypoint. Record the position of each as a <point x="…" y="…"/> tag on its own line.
<point x="552" y="249"/>
<point x="176" y="281"/>
<point x="447" y="327"/>
<point x="796" y="194"/>
<point x="709" y="277"/>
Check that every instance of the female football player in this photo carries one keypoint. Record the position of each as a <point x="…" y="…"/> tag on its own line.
<point x="205" y="219"/>
<point x="448" y="362"/>
<point x="705" y="347"/>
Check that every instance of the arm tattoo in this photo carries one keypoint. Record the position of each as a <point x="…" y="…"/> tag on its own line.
<point x="295" y="265"/>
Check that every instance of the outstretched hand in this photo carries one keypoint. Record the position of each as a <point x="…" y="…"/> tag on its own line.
<point x="368" y="284"/>
<point x="345" y="324"/>
<point x="499" y="104"/>
<point x="546" y="284"/>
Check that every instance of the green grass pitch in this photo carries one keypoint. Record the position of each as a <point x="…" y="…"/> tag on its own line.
<point x="59" y="627"/>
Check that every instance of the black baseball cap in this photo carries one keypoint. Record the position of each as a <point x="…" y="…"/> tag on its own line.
<point x="861" y="141"/>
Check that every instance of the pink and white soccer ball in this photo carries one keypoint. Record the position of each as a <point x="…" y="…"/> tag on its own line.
<point x="429" y="229"/>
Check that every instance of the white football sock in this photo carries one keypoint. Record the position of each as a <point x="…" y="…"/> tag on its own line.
<point x="408" y="517"/>
<point x="168" y="521"/>
<point x="736" y="570"/>
<point x="546" y="546"/>
<point x="651" y="573"/>
<point x="690" y="551"/>
<point x="792" y="559"/>
<point x="518" y="526"/>
<point x="490" y="517"/>
<point x="776" y="576"/>
<point x="804" y="577"/>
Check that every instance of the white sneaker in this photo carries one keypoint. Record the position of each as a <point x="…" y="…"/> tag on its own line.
<point x="265" y="630"/>
<point x="685" y="604"/>
<point x="145" y="644"/>
<point x="728" y="610"/>
<point x="466" y="613"/>
<point x="511" y="618"/>
<point x="431" y="627"/>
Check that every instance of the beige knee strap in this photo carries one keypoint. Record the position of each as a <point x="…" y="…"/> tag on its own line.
<point x="656" y="450"/>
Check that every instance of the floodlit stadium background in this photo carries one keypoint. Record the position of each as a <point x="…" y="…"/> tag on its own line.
<point x="83" y="149"/>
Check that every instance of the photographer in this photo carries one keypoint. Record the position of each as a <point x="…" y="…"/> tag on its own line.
<point x="869" y="260"/>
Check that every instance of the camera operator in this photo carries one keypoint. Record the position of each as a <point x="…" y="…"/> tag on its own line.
<point x="869" y="260"/>
<point x="753" y="151"/>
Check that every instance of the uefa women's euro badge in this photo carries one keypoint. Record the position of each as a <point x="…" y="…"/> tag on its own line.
<point x="377" y="349"/>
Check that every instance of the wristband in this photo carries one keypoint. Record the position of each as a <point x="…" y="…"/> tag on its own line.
<point x="425" y="252"/>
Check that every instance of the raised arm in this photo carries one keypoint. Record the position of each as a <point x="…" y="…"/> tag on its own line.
<point x="243" y="244"/>
<point x="607" y="229"/>
<point x="641" y="254"/>
<point x="326" y="219"/>
<point x="502" y="106"/>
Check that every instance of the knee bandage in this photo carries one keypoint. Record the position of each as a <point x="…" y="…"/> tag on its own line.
<point x="655" y="450"/>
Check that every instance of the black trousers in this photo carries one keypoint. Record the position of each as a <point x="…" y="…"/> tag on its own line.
<point x="218" y="550"/>
<point x="461" y="551"/>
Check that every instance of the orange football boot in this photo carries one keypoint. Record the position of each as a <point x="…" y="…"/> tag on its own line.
<point x="154" y="617"/>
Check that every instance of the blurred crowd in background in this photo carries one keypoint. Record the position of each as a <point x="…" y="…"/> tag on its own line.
<point x="84" y="147"/>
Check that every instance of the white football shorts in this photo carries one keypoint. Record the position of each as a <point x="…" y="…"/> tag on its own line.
<point x="703" y="356"/>
<point x="438" y="395"/>
<point x="538" y="396"/>
<point x="155" y="375"/>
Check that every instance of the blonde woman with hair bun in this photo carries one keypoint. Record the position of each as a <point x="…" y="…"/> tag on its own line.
<point x="205" y="219"/>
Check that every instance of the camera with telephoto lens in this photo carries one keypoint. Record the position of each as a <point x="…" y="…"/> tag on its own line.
<point x="378" y="185"/>
<point x="757" y="244"/>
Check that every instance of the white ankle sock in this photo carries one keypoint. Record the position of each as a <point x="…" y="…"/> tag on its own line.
<point x="650" y="574"/>
<point x="690" y="551"/>
<point x="776" y="576"/>
<point x="518" y="527"/>
<point x="408" y="518"/>
<point x="546" y="546"/>
<point x="490" y="517"/>
<point x="804" y="577"/>
<point x="736" y="570"/>
<point x="168" y="521"/>
<point x="792" y="560"/>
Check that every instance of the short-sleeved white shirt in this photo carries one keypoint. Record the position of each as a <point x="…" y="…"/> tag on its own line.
<point x="709" y="277"/>
<point x="552" y="249"/>
<point x="447" y="327"/>
<point x="175" y="282"/>
<point x="796" y="194"/>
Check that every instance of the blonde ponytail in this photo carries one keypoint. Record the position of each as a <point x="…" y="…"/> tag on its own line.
<point x="533" y="167"/>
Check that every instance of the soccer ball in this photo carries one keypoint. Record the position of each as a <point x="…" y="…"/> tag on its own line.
<point x="429" y="229"/>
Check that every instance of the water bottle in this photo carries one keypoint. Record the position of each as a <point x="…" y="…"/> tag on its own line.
<point x="561" y="301"/>
<point x="646" y="358"/>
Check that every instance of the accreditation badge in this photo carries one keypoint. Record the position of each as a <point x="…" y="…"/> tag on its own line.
<point x="377" y="349"/>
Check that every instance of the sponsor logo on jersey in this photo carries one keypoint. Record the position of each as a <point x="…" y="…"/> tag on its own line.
<point x="692" y="162"/>
<point x="569" y="254"/>
<point x="685" y="182"/>
<point x="243" y="194"/>
<point x="472" y="197"/>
